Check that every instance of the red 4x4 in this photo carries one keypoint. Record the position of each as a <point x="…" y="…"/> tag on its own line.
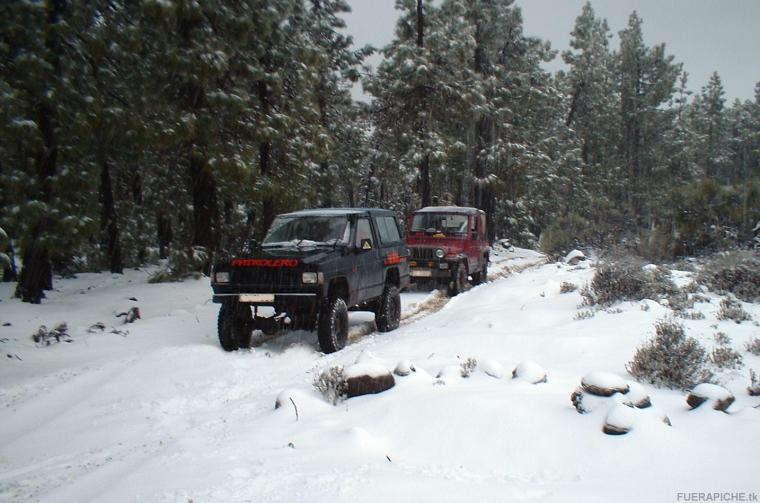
<point x="448" y="244"/>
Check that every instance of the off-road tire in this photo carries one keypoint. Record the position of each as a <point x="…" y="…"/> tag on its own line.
<point x="332" y="330"/>
<point x="482" y="275"/>
<point x="388" y="313"/>
<point x="234" y="326"/>
<point x="459" y="280"/>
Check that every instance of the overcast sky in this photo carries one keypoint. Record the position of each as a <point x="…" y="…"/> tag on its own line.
<point x="704" y="35"/>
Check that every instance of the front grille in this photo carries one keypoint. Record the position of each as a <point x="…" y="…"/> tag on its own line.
<point x="267" y="279"/>
<point x="423" y="253"/>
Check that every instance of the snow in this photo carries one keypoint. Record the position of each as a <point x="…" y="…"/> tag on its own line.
<point x="711" y="391"/>
<point x="160" y="413"/>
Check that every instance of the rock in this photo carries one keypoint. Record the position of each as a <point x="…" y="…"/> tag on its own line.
<point x="492" y="368"/>
<point x="574" y="257"/>
<point x="367" y="378"/>
<point x="637" y="396"/>
<point x="585" y="403"/>
<point x="404" y="368"/>
<point x="529" y="371"/>
<point x="720" y="396"/>
<point x="620" y="420"/>
<point x="284" y="398"/>
<point x="604" y="384"/>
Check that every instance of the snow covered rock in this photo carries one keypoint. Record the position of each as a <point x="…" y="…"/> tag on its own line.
<point x="720" y="396"/>
<point x="637" y="396"/>
<point x="620" y="420"/>
<point x="284" y="398"/>
<point x="529" y="371"/>
<point x="367" y="378"/>
<point x="450" y="372"/>
<point x="585" y="402"/>
<point x="404" y="368"/>
<point x="604" y="384"/>
<point x="492" y="368"/>
<point x="574" y="257"/>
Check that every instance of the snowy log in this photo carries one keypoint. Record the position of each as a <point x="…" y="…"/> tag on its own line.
<point x="720" y="396"/>
<point x="367" y="379"/>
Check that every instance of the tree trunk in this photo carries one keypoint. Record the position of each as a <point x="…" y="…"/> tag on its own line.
<point x="268" y="211"/>
<point x="36" y="272"/>
<point x="205" y="212"/>
<point x="423" y="168"/>
<point x="108" y="222"/>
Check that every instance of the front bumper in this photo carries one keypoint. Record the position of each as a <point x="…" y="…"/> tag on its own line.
<point x="278" y="300"/>
<point x="429" y="269"/>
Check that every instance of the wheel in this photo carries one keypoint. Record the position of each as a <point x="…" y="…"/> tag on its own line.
<point x="482" y="275"/>
<point x="388" y="312"/>
<point x="459" y="280"/>
<point x="332" y="330"/>
<point x="234" y="326"/>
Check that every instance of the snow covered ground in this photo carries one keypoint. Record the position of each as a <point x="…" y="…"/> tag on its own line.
<point x="160" y="413"/>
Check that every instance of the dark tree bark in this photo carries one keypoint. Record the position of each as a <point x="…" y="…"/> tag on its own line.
<point x="423" y="186"/>
<point x="36" y="272"/>
<point x="265" y="165"/>
<point x="205" y="211"/>
<point x="165" y="235"/>
<point x="108" y="220"/>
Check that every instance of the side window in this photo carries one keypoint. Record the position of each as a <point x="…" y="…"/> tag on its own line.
<point x="363" y="231"/>
<point x="482" y="232"/>
<point x="388" y="229"/>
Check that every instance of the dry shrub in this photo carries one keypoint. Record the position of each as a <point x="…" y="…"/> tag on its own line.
<point x="723" y="355"/>
<point x="731" y="309"/>
<point x="332" y="384"/>
<point x="671" y="359"/>
<point x="566" y="287"/>
<point x="753" y="346"/>
<point x="737" y="272"/>
<point x="622" y="279"/>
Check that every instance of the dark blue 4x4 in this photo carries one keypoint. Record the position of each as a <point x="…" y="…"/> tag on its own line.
<point x="310" y="270"/>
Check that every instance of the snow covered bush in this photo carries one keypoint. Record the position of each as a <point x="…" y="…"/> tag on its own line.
<point x="332" y="384"/>
<point x="564" y="234"/>
<point x="671" y="359"/>
<point x="468" y="367"/>
<point x="737" y="272"/>
<point x="567" y="287"/>
<point x="181" y="264"/>
<point x="753" y="346"/>
<point x="621" y="279"/>
<point x="730" y="309"/>
<point x="723" y="355"/>
<point x="754" y="383"/>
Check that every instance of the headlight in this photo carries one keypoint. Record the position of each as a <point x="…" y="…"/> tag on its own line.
<point x="222" y="277"/>
<point x="440" y="253"/>
<point x="309" y="278"/>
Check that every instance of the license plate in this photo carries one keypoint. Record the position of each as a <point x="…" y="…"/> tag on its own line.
<point x="257" y="297"/>
<point x="421" y="273"/>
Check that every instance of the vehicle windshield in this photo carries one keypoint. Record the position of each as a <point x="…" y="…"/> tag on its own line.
<point x="445" y="223"/>
<point x="308" y="230"/>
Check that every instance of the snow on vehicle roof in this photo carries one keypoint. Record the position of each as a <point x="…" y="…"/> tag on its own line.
<point x="336" y="211"/>
<point x="449" y="209"/>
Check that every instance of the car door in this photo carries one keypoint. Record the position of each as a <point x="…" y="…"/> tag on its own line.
<point x="368" y="263"/>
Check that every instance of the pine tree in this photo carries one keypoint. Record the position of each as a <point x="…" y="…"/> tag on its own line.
<point x="647" y="82"/>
